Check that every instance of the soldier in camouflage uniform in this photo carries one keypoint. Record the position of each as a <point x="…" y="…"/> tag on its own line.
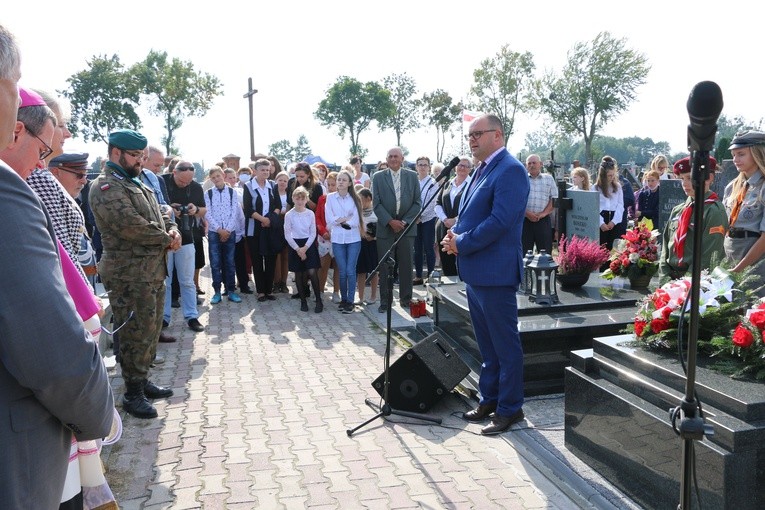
<point x="135" y="237"/>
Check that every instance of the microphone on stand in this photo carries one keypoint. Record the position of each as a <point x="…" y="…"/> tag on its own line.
<point x="448" y="169"/>
<point x="705" y="103"/>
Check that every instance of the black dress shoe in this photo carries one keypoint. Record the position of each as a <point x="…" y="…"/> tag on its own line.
<point x="194" y="325"/>
<point x="480" y="413"/>
<point x="246" y="290"/>
<point x="500" y="423"/>
<point x="417" y="281"/>
<point x="166" y="339"/>
<point x="151" y="390"/>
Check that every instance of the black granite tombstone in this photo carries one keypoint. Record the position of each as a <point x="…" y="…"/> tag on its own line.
<point x="670" y="194"/>
<point x="726" y="173"/>
<point x="548" y="332"/>
<point x="617" y="398"/>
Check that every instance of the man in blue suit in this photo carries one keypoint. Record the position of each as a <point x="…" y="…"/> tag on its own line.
<point x="487" y="242"/>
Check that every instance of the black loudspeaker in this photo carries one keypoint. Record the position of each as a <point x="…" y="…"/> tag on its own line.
<point x="422" y="375"/>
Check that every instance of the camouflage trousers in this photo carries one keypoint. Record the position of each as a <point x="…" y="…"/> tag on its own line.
<point x="138" y="339"/>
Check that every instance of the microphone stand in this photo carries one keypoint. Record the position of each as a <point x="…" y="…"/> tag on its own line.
<point x="389" y="258"/>
<point x="692" y="427"/>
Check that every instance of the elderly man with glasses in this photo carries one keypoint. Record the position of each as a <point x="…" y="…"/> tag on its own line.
<point x="52" y="381"/>
<point x="136" y="237"/>
<point x="32" y="134"/>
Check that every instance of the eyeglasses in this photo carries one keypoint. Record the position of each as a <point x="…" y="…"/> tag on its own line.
<point x="78" y="174"/>
<point x="135" y="154"/>
<point x="185" y="168"/>
<point x="464" y="165"/>
<point x="47" y="151"/>
<point x="475" y="135"/>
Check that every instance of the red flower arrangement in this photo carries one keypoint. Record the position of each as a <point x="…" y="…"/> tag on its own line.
<point x="637" y="255"/>
<point x="731" y="321"/>
<point x="748" y="342"/>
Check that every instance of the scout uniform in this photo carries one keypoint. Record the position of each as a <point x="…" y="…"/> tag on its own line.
<point x="677" y="238"/>
<point x="748" y="219"/>
<point x="133" y="268"/>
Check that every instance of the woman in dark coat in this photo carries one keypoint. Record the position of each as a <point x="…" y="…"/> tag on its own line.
<point x="262" y="205"/>
<point x="447" y="206"/>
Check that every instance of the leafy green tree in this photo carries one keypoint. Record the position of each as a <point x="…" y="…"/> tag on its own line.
<point x="442" y="113"/>
<point x="546" y="139"/>
<point x="283" y="151"/>
<point x="351" y="106"/>
<point x="726" y="131"/>
<point x="302" y="149"/>
<point x="502" y="85"/>
<point x="288" y="153"/>
<point x="406" y="107"/>
<point x="103" y="98"/>
<point x="177" y="91"/>
<point x="598" y="83"/>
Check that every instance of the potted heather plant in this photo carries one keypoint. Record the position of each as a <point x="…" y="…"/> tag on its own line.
<point x="578" y="257"/>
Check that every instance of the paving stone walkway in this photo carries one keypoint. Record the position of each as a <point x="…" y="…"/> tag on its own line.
<point x="262" y="403"/>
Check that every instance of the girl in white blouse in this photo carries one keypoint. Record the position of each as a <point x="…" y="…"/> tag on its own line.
<point x="300" y="234"/>
<point x="611" y="200"/>
<point x="343" y="215"/>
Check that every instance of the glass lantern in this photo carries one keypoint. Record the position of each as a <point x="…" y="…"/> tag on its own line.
<point x="543" y="271"/>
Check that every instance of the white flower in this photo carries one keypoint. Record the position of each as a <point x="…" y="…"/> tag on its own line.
<point x="634" y="257"/>
<point x="721" y="285"/>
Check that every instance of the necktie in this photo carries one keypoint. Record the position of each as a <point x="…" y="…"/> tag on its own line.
<point x="737" y="206"/>
<point x="476" y="177"/>
<point x="396" y="176"/>
<point x="683" y="224"/>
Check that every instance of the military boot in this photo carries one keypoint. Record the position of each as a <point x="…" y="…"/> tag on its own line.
<point x="151" y="390"/>
<point x="134" y="401"/>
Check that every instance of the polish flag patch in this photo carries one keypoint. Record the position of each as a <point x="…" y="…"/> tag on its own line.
<point x="105" y="186"/>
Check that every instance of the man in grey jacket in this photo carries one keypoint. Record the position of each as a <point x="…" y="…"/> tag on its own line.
<point x="52" y="380"/>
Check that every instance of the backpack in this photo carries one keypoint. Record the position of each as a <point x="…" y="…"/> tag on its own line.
<point x="230" y="195"/>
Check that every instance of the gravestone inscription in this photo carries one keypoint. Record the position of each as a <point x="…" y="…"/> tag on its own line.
<point x="670" y="194"/>
<point x="582" y="220"/>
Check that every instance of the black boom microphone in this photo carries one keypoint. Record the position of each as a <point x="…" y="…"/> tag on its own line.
<point x="448" y="169"/>
<point x="704" y="106"/>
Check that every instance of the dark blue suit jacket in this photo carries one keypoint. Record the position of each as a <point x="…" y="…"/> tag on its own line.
<point x="490" y="223"/>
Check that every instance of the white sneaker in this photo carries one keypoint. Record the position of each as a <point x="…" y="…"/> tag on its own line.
<point x="336" y="298"/>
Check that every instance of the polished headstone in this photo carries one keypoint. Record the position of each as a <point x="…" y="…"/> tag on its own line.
<point x="617" y="397"/>
<point x="548" y="332"/>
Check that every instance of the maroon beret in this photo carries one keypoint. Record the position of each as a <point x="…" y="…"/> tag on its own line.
<point x="683" y="166"/>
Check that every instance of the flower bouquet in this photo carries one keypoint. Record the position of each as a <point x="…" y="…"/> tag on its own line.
<point x="578" y="255"/>
<point x="730" y="327"/>
<point x="636" y="255"/>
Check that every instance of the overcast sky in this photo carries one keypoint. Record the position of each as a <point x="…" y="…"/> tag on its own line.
<point x="295" y="50"/>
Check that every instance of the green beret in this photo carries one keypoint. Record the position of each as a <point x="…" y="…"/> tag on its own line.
<point x="127" y="139"/>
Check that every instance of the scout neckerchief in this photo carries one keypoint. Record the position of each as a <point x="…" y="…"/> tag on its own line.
<point x="737" y="206"/>
<point x="684" y="223"/>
